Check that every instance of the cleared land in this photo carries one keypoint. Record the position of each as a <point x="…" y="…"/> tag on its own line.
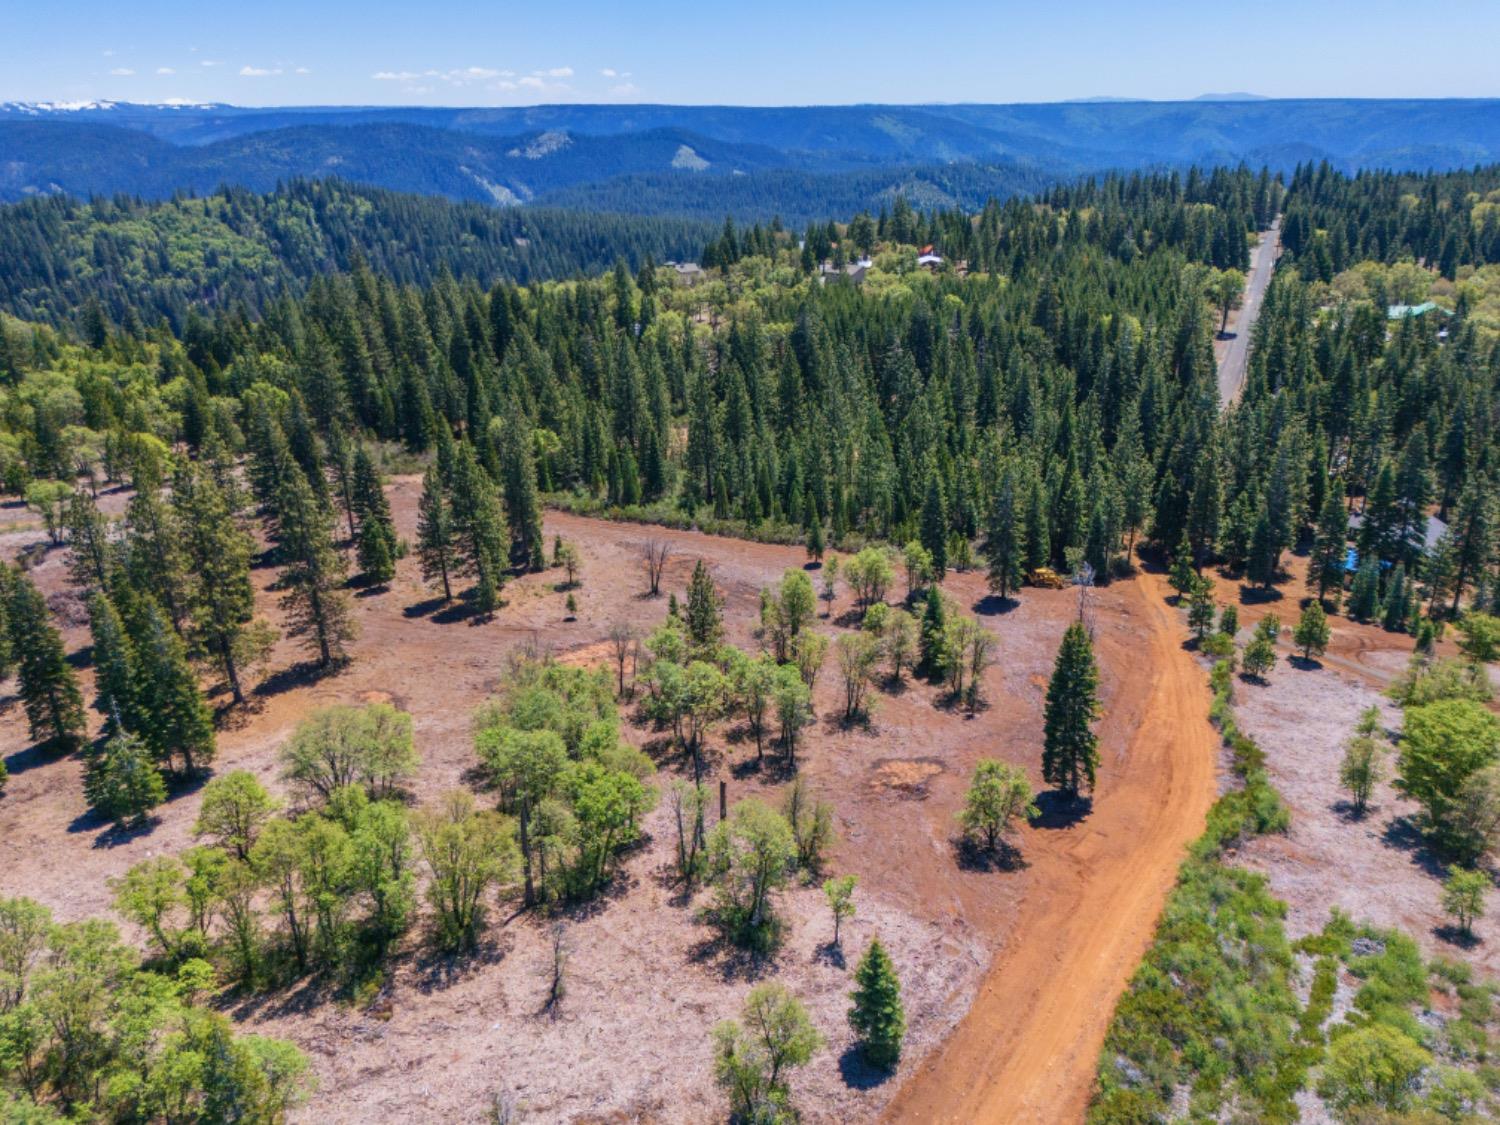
<point x="647" y="979"/>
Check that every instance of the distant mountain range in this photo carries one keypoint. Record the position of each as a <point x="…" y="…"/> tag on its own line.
<point x="709" y="160"/>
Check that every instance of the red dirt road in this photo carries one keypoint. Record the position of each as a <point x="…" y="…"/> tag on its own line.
<point x="1027" y="1050"/>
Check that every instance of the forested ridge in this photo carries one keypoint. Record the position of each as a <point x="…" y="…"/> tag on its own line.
<point x="235" y="249"/>
<point x="1031" y="386"/>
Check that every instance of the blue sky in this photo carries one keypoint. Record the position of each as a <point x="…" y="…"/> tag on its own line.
<point x="441" y="52"/>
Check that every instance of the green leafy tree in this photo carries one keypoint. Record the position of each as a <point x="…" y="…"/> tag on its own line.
<point x="1373" y="1067"/>
<point x="1443" y="744"/>
<point x="234" y="809"/>
<point x="1481" y="637"/>
<point x="998" y="794"/>
<point x="839" y="891"/>
<point x="877" y="1016"/>
<point x="529" y="765"/>
<point x="749" y="856"/>
<point x="467" y="854"/>
<point x="752" y="1056"/>
<point x="341" y="745"/>
<point x="1363" y="763"/>
<point x="1463" y="897"/>
<point x="1070" y="755"/>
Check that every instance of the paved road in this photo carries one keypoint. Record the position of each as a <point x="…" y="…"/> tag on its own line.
<point x="1237" y="357"/>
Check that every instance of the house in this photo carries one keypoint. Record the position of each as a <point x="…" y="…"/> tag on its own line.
<point x="927" y="260"/>
<point x="689" y="273"/>
<point x="1403" y="312"/>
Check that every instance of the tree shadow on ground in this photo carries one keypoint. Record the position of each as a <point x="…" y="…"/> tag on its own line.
<point x="459" y="610"/>
<point x="1454" y="935"/>
<point x="1259" y="595"/>
<point x="108" y="833"/>
<point x="436" y="970"/>
<point x="1304" y="663"/>
<point x="1345" y="811"/>
<point x="858" y="1074"/>
<point x="1403" y="834"/>
<point x="830" y="954"/>
<point x="302" y="674"/>
<point x="974" y="855"/>
<point x="732" y="962"/>
<point x="992" y="605"/>
<point x="424" y="608"/>
<point x="1059" y="810"/>
<point x="34" y="756"/>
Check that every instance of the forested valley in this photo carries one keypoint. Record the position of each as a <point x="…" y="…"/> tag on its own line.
<point x="207" y="400"/>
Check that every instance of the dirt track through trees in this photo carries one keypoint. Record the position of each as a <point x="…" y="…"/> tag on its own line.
<point x="1027" y="1049"/>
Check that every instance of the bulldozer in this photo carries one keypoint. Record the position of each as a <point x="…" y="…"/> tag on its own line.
<point x="1046" y="578"/>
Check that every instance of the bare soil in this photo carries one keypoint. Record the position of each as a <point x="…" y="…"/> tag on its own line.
<point x="1069" y="917"/>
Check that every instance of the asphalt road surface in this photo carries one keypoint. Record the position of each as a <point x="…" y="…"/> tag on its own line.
<point x="1237" y="357"/>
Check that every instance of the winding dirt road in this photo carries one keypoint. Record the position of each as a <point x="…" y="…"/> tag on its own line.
<point x="1027" y="1049"/>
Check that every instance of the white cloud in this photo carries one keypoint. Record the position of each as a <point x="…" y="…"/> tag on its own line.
<point x="556" y="72"/>
<point x="258" y="71"/>
<point x="165" y="70"/>
<point x="610" y="72"/>
<point x="395" y="76"/>
<point x="210" y="62"/>
<point x="531" y="82"/>
<point x="304" y="70"/>
<point x="122" y="72"/>
<point x="624" y="89"/>
<point x="178" y="101"/>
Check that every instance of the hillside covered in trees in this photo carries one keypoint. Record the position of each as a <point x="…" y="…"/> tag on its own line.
<point x="140" y="262"/>
<point x="1025" y="388"/>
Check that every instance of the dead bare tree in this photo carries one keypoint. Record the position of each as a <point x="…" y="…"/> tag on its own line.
<point x="622" y="637"/>
<point x="654" y="555"/>
<point x="558" y="940"/>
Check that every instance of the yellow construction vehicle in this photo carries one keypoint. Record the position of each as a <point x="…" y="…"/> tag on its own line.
<point x="1046" y="578"/>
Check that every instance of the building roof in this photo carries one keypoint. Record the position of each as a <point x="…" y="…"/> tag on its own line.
<point x="1401" y="312"/>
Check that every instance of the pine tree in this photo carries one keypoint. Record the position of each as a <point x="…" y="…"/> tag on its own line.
<point x="479" y="528"/>
<point x="88" y="537"/>
<point x="313" y="573"/>
<point x="173" y="718"/>
<point x="47" y="685"/>
<point x="705" y="620"/>
<point x="877" y="1016"/>
<point x="523" y="506"/>
<point x="1181" y="576"/>
<point x="217" y="550"/>
<point x="1397" y="610"/>
<point x="932" y="641"/>
<point x="435" y="533"/>
<point x="1330" y="544"/>
<point x="1005" y="543"/>
<point x="934" y="528"/>
<point x="1070" y="755"/>
<point x="113" y="657"/>
<point x="1364" y="591"/>
<point x="1265" y="552"/>
<point x="377" y="532"/>
<point x="121" y="782"/>
<point x="1312" y="633"/>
